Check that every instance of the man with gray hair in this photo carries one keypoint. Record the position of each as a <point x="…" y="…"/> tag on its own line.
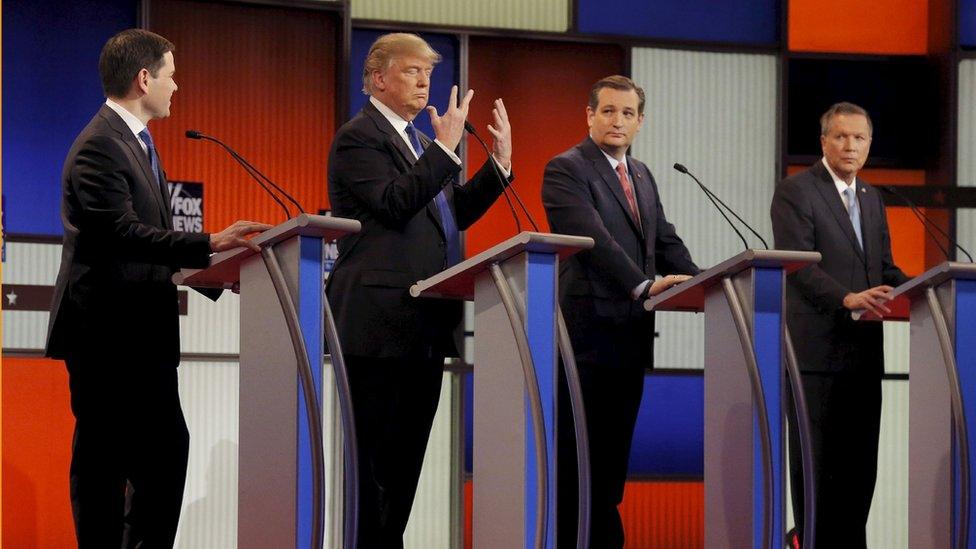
<point x="405" y="190"/>
<point x="828" y="209"/>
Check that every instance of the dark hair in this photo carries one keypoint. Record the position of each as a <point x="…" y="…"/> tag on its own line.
<point x="616" y="82"/>
<point x="843" y="108"/>
<point x="127" y="53"/>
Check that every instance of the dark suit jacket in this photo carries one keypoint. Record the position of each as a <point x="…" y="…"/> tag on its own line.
<point x="113" y="292"/>
<point x="583" y="196"/>
<point x="373" y="178"/>
<point x="808" y="214"/>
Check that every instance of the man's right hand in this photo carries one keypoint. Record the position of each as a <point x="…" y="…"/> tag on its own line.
<point x="872" y="299"/>
<point x="449" y="128"/>
<point x="664" y="283"/>
<point x="235" y="236"/>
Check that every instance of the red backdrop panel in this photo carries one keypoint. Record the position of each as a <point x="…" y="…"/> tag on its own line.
<point x="545" y="86"/>
<point x="262" y="79"/>
<point x="654" y="513"/>
<point x="890" y="27"/>
<point x="36" y="427"/>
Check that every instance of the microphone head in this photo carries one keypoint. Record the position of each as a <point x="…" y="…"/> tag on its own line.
<point x="193" y="134"/>
<point x="468" y="127"/>
<point x="680" y="168"/>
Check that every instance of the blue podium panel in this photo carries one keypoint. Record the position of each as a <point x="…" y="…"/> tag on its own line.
<point x="310" y="269"/>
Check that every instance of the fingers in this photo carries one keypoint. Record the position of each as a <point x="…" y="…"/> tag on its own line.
<point x="500" y="107"/>
<point x="465" y="102"/>
<point x="452" y="100"/>
<point x="494" y="133"/>
<point x="432" y="112"/>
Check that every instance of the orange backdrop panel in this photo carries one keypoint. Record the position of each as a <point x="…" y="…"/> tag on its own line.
<point x="545" y="86"/>
<point x="37" y="426"/>
<point x="262" y="79"/>
<point x="842" y="26"/>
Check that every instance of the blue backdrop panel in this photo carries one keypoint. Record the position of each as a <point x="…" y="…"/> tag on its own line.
<point x="740" y="21"/>
<point x="967" y="23"/>
<point x="668" y="439"/>
<point x="51" y="89"/>
<point x="445" y="73"/>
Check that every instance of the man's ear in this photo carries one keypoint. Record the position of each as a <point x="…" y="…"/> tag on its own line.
<point x="379" y="80"/>
<point x="141" y="81"/>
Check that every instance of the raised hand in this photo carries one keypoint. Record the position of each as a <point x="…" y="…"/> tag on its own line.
<point x="501" y="147"/>
<point x="449" y="128"/>
<point x="236" y="235"/>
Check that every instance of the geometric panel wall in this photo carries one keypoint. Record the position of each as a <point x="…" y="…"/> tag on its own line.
<point x="966" y="175"/>
<point x="539" y="15"/>
<point x="715" y="113"/>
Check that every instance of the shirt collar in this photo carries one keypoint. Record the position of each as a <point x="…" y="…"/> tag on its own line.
<point x="838" y="182"/>
<point x="399" y="124"/>
<point x="130" y="119"/>
<point x="613" y="162"/>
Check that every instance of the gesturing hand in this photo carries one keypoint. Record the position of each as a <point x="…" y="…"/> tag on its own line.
<point x="449" y="128"/>
<point x="235" y="235"/>
<point x="872" y="299"/>
<point x="502" y="132"/>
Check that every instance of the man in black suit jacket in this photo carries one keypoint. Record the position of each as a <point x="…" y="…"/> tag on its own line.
<point x="114" y="318"/>
<point x="404" y="188"/>
<point x="595" y="189"/>
<point x="827" y="209"/>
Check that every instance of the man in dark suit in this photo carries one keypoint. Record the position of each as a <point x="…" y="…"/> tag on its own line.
<point x="405" y="190"/>
<point x="595" y="189"/>
<point x="827" y="209"/>
<point x="114" y="318"/>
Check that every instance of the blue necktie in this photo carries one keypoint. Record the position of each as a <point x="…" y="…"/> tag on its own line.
<point x="854" y="211"/>
<point x="153" y="158"/>
<point x="447" y="217"/>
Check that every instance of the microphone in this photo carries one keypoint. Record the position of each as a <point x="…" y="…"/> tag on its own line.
<point x="716" y="201"/>
<point x="252" y="171"/>
<point x="926" y="223"/>
<point x="468" y="127"/>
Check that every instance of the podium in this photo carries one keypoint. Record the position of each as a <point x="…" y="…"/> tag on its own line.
<point x="284" y="314"/>
<point x="940" y="305"/>
<point x="514" y="288"/>
<point x="743" y="300"/>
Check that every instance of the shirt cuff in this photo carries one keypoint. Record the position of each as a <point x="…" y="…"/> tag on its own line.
<point x="506" y="173"/>
<point x="640" y="289"/>
<point x="449" y="152"/>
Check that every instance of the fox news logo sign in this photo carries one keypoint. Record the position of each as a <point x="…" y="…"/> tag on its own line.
<point x="186" y="204"/>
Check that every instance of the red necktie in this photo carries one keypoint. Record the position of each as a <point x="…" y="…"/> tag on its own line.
<point x="628" y="191"/>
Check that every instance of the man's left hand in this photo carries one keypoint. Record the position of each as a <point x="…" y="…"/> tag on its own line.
<point x="501" y="130"/>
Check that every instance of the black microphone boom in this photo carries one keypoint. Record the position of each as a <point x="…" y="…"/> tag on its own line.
<point x="470" y="129"/>
<point x="926" y="223"/>
<point x="252" y="171"/>
<point x="716" y="201"/>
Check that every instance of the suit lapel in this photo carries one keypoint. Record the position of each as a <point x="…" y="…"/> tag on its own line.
<point x="828" y="192"/>
<point x="135" y="148"/>
<point x="602" y="167"/>
<point x="643" y="194"/>
<point x="393" y="137"/>
<point x="432" y="209"/>
<point x="869" y="217"/>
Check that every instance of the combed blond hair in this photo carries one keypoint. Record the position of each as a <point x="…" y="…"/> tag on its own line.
<point x="390" y="46"/>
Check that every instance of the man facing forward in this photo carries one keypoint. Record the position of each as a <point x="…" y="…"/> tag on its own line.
<point x="596" y="189"/>
<point x="405" y="190"/>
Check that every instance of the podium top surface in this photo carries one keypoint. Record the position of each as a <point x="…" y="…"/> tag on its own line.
<point x="225" y="267"/>
<point x="690" y="294"/>
<point x="458" y="281"/>
<point x="901" y="297"/>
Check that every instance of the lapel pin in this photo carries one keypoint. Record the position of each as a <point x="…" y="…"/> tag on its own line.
<point x="863" y="190"/>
